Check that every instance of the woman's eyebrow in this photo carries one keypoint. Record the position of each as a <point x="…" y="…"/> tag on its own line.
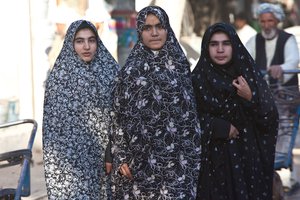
<point x="150" y="25"/>
<point x="218" y="41"/>
<point x="92" y="37"/>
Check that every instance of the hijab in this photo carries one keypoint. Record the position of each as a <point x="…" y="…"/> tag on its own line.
<point x="156" y="111"/>
<point x="76" y="120"/>
<point x="171" y="49"/>
<point x="219" y="78"/>
<point x="256" y="120"/>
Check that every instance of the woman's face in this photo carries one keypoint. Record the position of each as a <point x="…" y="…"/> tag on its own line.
<point x="220" y="48"/>
<point x="85" y="44"/>
<point x="154" y="35"/>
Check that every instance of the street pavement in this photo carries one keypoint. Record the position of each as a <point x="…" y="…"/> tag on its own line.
<point x="291" y="178"/>
<point x="38" y="188"/>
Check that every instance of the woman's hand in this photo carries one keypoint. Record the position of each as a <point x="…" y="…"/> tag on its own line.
<point x="108" y="167"/>
<point x="233" y="132"/>
<point x="243" y="89"/>
<point x="125" y="171"/>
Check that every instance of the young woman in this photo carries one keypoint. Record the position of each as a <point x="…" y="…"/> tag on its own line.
<point x="239" y="120"/>
<point x="157" y="143"/>
<point x="77" y="122"/>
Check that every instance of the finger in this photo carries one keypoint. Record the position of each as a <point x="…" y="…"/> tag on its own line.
<point x="273" y="75"/>
<point x="127" y="172"/>
<point x="236" y="84"/>
<point x="236" y="134"/>
<point x="279" y="73"/>
<point x="276" y="75"/>
<point x="108" y="167"/>
<point x="240" y="78"/>
<point x="129" y="175"/>
<point x="123" y="170"/>
<point x="243" y="80"/>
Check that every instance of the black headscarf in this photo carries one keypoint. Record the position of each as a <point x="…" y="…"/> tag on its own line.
<point x="218" y="80"/>
<point x="256" y="120"/>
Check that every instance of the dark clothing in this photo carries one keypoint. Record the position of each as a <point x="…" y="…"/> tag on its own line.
<point x="241" y="168"/>
<point x="220" y="128"/>
<point x="158" y="131"/>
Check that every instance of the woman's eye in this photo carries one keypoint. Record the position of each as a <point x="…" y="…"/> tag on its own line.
<point x="159" y="26"/>
<point x="227" y="43"/>
<point x="92" y="40"/>
<point x="79" y="41"/>
<point x="146" y="28"/>
<point x="213" y="44"/>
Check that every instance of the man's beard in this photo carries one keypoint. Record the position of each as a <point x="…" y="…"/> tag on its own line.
<point x="270" y="35"/>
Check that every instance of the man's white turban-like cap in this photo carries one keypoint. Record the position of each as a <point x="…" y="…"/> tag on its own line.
<point x="275" y="9"/>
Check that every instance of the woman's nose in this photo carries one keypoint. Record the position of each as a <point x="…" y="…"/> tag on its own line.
<point x="220" y="48"/>
<point x="86" y="45"/>
<point x="154" y="31"/>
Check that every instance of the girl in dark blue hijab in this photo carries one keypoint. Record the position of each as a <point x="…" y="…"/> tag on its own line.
<point x="158" y="135"/>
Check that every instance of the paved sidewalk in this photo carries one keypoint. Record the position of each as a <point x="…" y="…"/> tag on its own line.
<point x="38" y="189"/>
<point x="291" y="180"/>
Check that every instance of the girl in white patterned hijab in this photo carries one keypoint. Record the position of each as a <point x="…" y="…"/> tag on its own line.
<point x="76" y="121"/>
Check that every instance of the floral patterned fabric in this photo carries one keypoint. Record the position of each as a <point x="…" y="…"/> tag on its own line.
<point x="241" y="168"/>
<point x="77" y="122"/>
<point x="158" y="132"/>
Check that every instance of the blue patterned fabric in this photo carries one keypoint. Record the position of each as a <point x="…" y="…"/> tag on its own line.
<point x="77" y="122"/>
<point x="158" y="132"/>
